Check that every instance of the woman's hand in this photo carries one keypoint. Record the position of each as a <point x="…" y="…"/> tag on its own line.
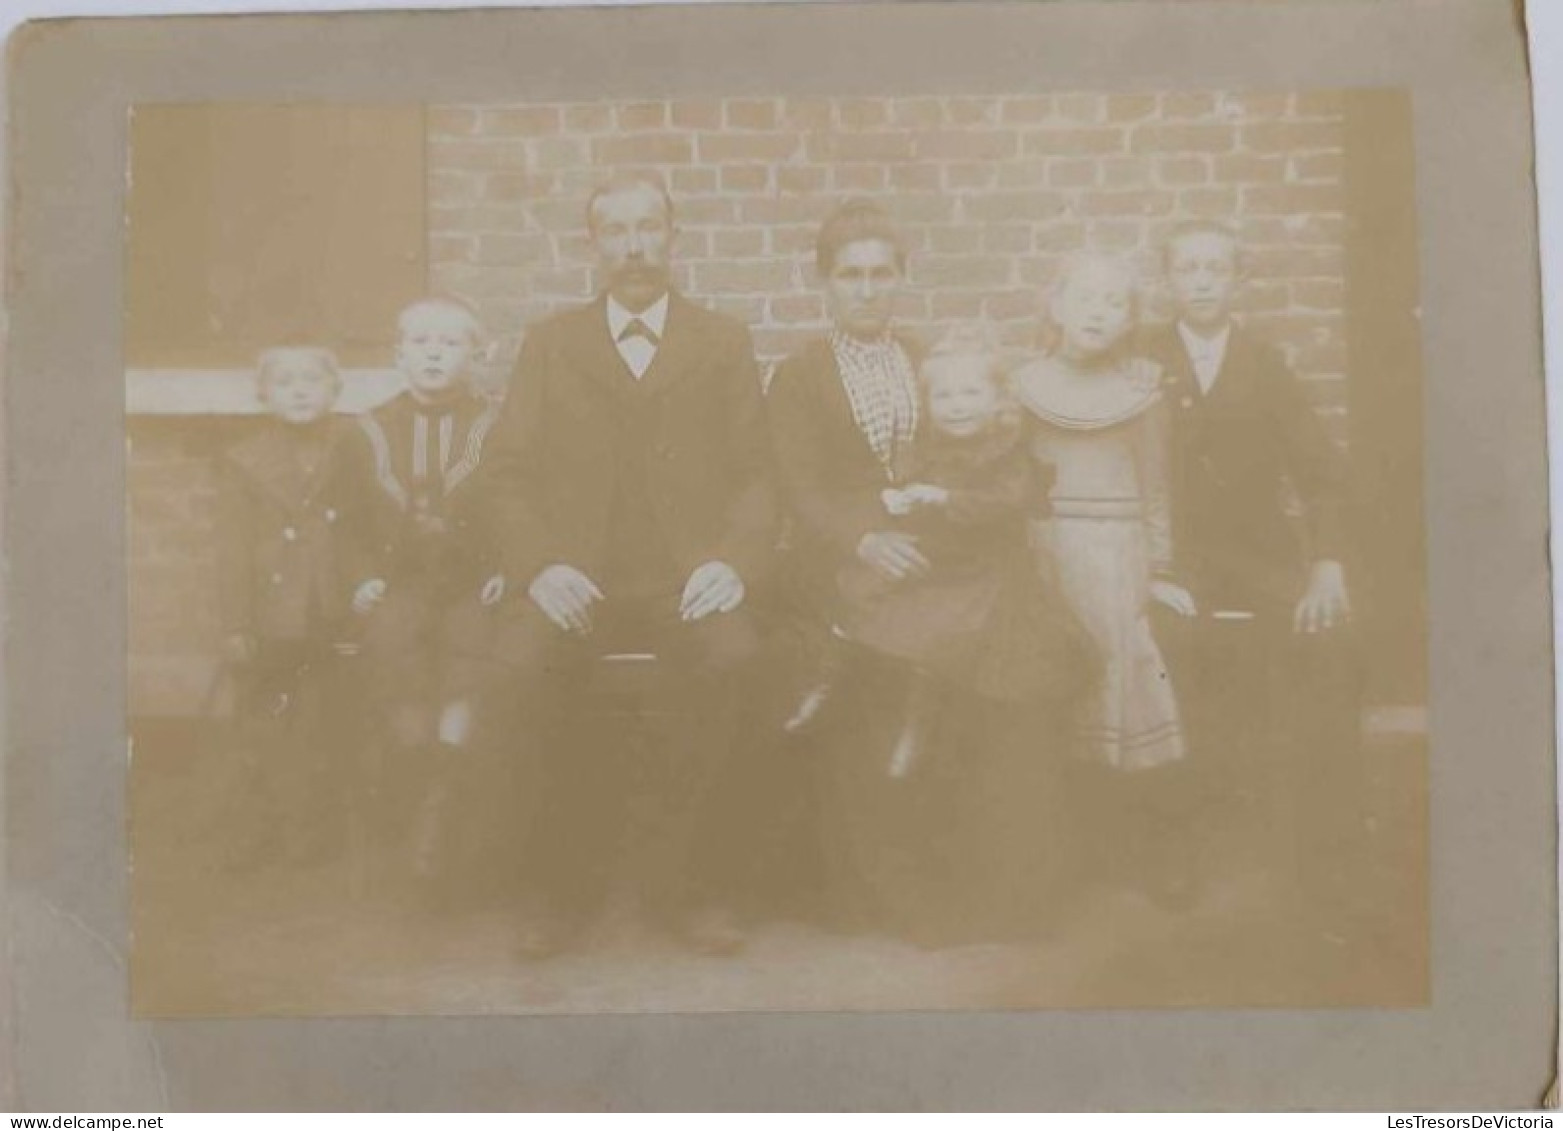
<point x="892" y="554"/>
<point x="1174" y="596"/>
<point x="368" y="595"/>
<point x="895" y="502"/>
<point x="926" y="495"/>
<point x="1324" y="605"/>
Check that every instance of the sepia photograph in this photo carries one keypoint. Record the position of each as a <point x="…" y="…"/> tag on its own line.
<point x="776" y="553"/>
<point x="777" y="556"/>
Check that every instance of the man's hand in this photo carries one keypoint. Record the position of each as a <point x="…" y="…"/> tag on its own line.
<point x="565" y="595"/>
<point x="713" y="588"/>
<point x="1174" y="596"/>
<point x="1325" y="603"/>
<point x="892" y="555"/>
<point x="369" y="594"/>
<point x="493" y="590"/>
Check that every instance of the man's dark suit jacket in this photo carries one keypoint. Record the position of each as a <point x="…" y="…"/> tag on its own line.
<point x="696" y="419"/>
<point x="1258" y="489"/>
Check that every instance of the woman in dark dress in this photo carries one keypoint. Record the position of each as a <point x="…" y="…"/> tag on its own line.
<point x="845" y="411"/>
<point x="924" y="854"/>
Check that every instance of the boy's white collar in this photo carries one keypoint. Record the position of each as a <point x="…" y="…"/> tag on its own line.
<point x="1207" y="353"/>
<point x="1194" y="341"/>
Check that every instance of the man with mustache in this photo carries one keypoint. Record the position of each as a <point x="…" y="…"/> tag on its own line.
<point x="632" y="499"/>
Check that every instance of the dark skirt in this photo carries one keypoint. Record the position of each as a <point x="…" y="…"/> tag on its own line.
<point x="997" y="629"/>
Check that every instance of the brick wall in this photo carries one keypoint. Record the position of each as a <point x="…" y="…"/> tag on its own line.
<point x="172" y="498"/>
<point x="991" y="191"/>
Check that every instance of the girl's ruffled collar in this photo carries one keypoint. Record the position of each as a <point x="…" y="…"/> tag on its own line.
<point x="1065" y="395"/>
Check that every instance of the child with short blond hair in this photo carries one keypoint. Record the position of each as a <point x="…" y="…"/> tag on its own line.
<point x="287" y="547"/>
<point x="979" y="617"/>
<point x="427" y="605"/>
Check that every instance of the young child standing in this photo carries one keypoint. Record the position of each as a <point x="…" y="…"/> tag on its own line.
<point x="286" y="512"/>
<point x="1098" y="422"/>
<point x="427" y="604"/>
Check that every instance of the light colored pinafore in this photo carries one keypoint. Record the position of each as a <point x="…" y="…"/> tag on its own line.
<point x="1108" y="532"/>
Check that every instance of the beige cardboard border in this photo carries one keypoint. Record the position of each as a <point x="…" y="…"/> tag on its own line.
<point x="1487" y="1040"/>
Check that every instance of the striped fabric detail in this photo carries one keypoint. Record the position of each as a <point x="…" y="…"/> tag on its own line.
<point x="1115" y="414"/>
<point x="473" y="451"/>
<point x="1117" y="736"/>
<point x="384" y="474"/>
<point x="420" y="445"/>
<point x="1129" y="508"/>
<point x="1154" y="746"/>
<point x="420" y="448"/>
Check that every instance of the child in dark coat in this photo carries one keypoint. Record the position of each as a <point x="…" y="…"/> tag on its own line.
<point x="286" y="514"/>
<point x="427" y="602"/>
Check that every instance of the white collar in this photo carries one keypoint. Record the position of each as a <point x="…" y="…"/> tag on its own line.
<point x="1204" y="346"/>
<point x="654" y="316"/>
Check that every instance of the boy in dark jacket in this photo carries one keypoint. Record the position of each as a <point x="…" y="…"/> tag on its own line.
<point x="1258" y="503"/>
<point x="286" y="547"/>
<point x="427" y="601"/>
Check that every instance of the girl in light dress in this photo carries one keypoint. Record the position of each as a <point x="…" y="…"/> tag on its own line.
<point x="1098" y="425"/>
